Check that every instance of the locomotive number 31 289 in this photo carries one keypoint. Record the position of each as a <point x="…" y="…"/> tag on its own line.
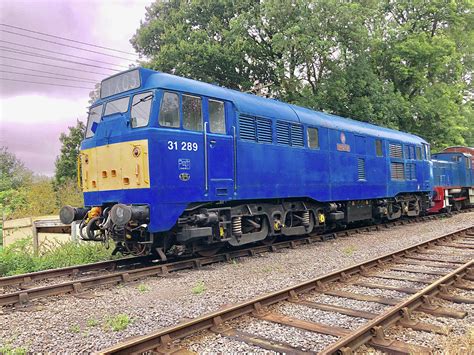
<point x="189" y="146"/>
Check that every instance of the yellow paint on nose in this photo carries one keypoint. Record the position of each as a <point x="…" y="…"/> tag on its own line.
<point x="119" y="166"/>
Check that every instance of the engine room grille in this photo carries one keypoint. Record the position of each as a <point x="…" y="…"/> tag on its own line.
<point x="283" y="132"/>
<point x="264" y="131"/>
<point x="247" y="128"/>
<point x="396" y="171"/>
<point x="396" y="150"/>
<point x="297" y="135"/>
<point x="360" y="169"/>
<point x="410" y="171"/>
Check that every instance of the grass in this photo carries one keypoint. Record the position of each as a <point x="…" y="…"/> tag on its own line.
<point x="457" y="345"/>
<point x="119" y="322"/>
<point x="9" y="350"/>
<point x="92" y="323"/>
<point x="18" y="258"/>
<point x="143" y="288"/>
<point x="75" y="328"/>
<point x="199" y="288"/>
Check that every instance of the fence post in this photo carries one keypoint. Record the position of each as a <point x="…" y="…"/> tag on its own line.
<point x="35" y="237"/>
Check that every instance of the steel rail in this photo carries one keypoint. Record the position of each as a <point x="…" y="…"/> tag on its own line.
<point x="162" y="338"/>
<point x="74" y="270"/>
<point x="68" y="271"/>
<point x="161" y="269"/>
<point x="368" y="331"/>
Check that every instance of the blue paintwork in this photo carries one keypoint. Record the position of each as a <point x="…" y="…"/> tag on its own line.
<point x="452" y="170"/>
<point x="264" y="171"/>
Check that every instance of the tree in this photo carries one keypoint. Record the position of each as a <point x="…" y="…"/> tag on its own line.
<point x="13" y="173"/>
<point x="14" y="176"/>
<point x="39" y="199"/>
<point x="66" y="162"/>
<point x="405" y="64"/>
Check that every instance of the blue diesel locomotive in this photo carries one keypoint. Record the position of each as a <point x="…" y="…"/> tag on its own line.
<point x="173" y="165"/>
<point x="453" y="179"/>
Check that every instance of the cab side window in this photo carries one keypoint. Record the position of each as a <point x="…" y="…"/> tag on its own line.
<point x="169" y="110"/>
<point x="192" y="113"/>
<point x="378" y="148"/>
<point x="216" y="116"/>
<point x="418" y="153"/>
<point x="313" y="138"/>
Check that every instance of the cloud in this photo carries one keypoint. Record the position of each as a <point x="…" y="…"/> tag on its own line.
<point x="30" y="127"/>
<point x="32" y="116"/>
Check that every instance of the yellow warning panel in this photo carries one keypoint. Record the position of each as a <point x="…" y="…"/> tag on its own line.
<point x="116" y="166"/>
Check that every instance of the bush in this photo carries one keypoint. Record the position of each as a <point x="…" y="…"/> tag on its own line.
<point x="18" y="258"/>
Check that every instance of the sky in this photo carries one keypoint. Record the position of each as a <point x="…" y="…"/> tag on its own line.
<point x="32" y="115"/>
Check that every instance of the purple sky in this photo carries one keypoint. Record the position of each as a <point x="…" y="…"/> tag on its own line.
<point x="32" y="115"/>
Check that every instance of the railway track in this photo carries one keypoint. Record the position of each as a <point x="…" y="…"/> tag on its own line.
<point x="437" y="268"/>
<point x="25" y="287"/>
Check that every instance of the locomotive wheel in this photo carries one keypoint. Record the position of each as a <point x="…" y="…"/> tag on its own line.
<point x="208" y="252"/>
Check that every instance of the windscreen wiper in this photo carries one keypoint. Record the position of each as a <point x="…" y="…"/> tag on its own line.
<point x="146" y="98"/>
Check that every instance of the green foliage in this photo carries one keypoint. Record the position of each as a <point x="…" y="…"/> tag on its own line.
<point x="10" y="350"/>
<point x="13" y="173"/>
<point x="349" y="251"/>
<point x="66" y="163"/>
<point x="199" y="288"/>
<point x="22" y="194"/>
<point x="13" y="177"/>
<point x="18" y="258"/>
<point x="92" y="323"/>
<point x="119" y="322"/>
<point x="39" y="199"/>
<point x="143" y="288"/>
<point x="404" y="64"/>
<point x="75" y="328"/>
<point x="68" y="193"/>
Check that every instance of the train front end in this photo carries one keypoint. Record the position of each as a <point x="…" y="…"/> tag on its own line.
<point x="114" y="166"/>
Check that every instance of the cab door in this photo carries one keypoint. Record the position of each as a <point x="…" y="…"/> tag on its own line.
<point x="220" y="157"/>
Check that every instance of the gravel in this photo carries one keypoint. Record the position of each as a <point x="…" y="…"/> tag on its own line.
<point x="391" y="282"/>
<point x="423" y="267"/>
<point x="71" y="324"/>
<point x="374" y="292"/>
<point x="298" y="338"/>
<point x="202" y="342"/>
<point x="403" y="274"/>
<point x="459" y="329"/>
<point x="344" y="302"/>
<point x="319" y="316"/>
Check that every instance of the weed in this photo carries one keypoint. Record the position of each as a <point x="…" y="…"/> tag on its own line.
<point x="455" y="344"/>
<point x="9" y="350"/>
<point x="267" y="269"/>
<point x="75" y="328"/>
<point x="92" y="322"/>
<point x="199" y="288"/>
<point x="349" y="251"/>
<point x="19" y="258"/>
<point x="143" y="288"/>
<point x="119" y="322"/>
<point x="234" y="262"/>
